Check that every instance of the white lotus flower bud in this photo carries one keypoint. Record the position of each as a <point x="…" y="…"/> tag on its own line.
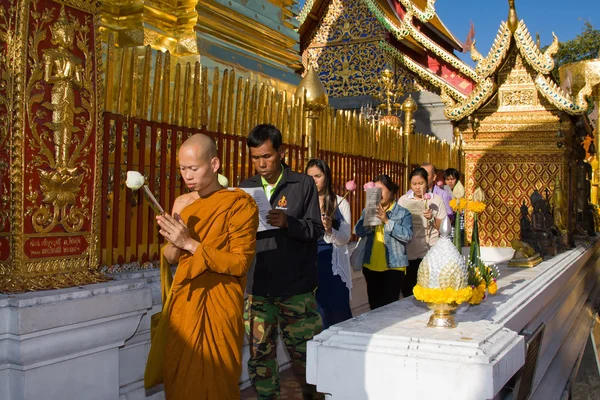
<point x="478" y="195"/>
<point x="135" y="180"/>
<point x="223" y="181"/>
<point x="459" y="190"/>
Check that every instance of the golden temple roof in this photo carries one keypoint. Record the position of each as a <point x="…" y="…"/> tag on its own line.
<point x="422" y="8"/>
<point x="437" y="23"/>
<point x="512" y="37"/>
<point x="404" y="19"/>
<point x="403" y="28"/>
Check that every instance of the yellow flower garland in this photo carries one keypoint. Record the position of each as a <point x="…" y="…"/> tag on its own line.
<point x="493" y="287"/>
<point x="476" y="206"/>
<point x="448" y="295"/>
<point x="477" y="295"/>
<point x="458" y="204"/>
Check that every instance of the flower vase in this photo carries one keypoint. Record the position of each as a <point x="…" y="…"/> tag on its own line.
<point x="443" y="315"/>
<point x="475" y="251"/>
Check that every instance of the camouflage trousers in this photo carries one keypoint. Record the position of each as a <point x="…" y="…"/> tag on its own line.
<point x="298" y="320"/>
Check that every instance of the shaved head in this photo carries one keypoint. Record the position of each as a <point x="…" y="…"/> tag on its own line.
<point x="198" y="164"/>
<point x="203" y="146"/>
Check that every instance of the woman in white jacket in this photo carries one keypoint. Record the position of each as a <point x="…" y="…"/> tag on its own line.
<point x="335" y="278"/>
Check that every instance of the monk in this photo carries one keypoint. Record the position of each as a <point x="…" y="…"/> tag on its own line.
<point x="212" y="235"/>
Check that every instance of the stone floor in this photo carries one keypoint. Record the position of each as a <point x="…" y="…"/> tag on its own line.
<point x="587" y="382"/>
<point x="290" y="388"/>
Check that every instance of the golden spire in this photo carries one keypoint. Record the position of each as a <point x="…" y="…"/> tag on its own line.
<point x="316" y="96"/>
<point x="409" y="105"/>
<point x="513" y="20"/>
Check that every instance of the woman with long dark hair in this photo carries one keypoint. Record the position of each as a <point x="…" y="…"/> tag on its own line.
<point x="335" y="279"/>
<point x="458" y="191"/>
<point x="428" y="210"/>
<point x="385" y="259"/>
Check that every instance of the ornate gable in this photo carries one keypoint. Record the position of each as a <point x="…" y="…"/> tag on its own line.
<point x="344" y="49"/>
<point x="516" y="74"/>
<point x="355" y="39"/>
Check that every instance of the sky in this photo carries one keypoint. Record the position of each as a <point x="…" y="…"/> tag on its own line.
<point x="564" y="18"/>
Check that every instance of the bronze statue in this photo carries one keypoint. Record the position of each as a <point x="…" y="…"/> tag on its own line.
<point x="559" y="211"/>
<point x="584" y="215"/>
<point x="522" y="249"/>
<point x="541" y="221"/>
<point x="527" y="234"/>
<point x="524" y="256"/>
<point x="559" y="204"/>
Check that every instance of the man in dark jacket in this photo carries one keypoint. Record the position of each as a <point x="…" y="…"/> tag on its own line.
<point x="282" y="283"/>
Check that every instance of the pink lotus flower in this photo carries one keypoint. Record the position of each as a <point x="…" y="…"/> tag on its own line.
<point x="369" y="185"/>
<point x="351" y="186"/>
<point x="427" y="196"/>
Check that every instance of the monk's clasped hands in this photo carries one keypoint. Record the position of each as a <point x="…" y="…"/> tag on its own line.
<point x="176" y="232"/>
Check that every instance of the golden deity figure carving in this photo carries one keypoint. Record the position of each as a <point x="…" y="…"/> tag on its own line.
<point x="62" y="183"/>
<point x="559" y="204"/>
<point x="595" y="184"/>
<point x="63" y="70"/>
<point x="593" y="161"/>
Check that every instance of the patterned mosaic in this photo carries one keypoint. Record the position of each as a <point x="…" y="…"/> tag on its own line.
<point x="507" y="180"/>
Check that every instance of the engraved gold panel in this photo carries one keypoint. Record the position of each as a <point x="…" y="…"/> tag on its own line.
<point x="50" y="106"/>
<point x="508" y="179"/>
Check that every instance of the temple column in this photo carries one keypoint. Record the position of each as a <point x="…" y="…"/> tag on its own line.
<point x="408" y="107"/>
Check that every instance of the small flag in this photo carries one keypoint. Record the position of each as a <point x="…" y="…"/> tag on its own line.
<point x="469" y="40"/>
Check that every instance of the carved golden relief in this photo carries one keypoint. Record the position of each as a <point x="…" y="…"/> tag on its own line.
<point x="346" y="21"/>
<point x="52" y="52"/>
<point x="350" y="70"/>
<point x="61" y="172"/>
<point x="516" y="87"/>
<point x="7" y="108"/>
<point x="517" y="98"/>
<point x="344" y="52"/>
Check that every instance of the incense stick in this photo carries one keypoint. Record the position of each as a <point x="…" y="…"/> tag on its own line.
<point x="153" y="200"/>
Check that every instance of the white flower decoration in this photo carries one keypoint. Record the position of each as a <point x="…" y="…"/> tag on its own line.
<point x="223" y="181"/>
<point x="135" y="180"/>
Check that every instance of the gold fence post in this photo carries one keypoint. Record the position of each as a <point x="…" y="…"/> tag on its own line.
<point x="409" y="107"/>
<point x="459" y="150"/>
<point x="316" y="101"/>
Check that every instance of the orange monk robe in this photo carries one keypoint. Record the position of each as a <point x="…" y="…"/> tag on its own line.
<point x="205" y="332"/>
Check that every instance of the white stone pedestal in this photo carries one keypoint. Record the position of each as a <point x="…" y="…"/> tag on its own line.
<point x="389" y="353"/>
<point x="64" y="344"/>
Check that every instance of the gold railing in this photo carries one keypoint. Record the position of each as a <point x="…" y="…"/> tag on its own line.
<point x="152" y="106"/>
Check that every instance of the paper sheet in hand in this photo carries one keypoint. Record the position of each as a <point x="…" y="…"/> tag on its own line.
<point x="373" y="200"/>
<point x="260" y="198"/>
